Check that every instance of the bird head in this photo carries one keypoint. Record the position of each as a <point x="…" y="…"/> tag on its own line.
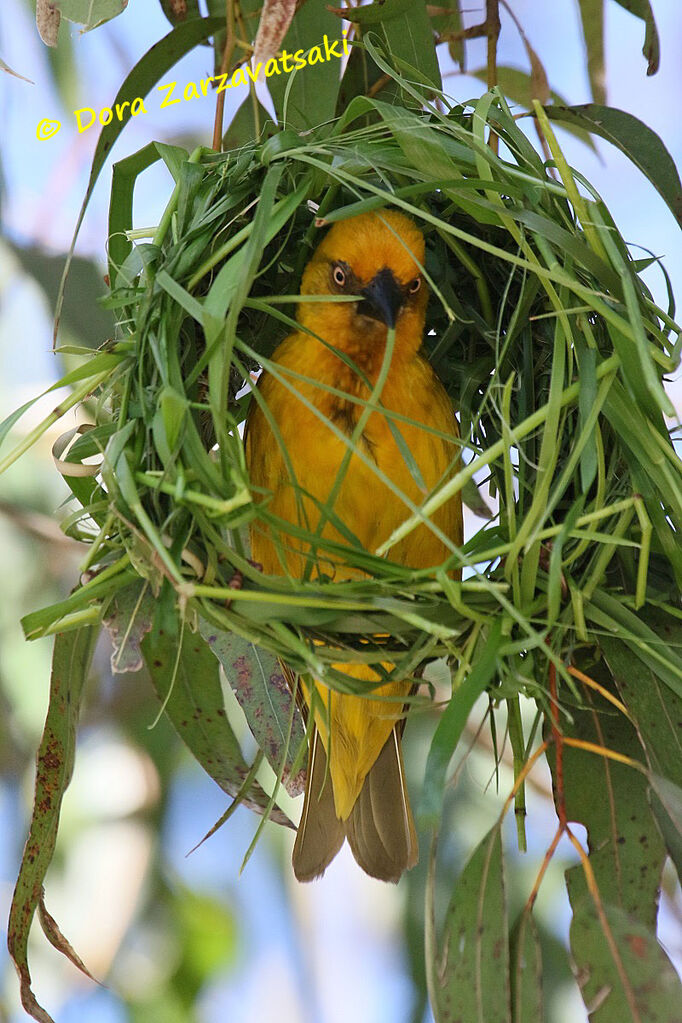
<point x="378" y="258"/>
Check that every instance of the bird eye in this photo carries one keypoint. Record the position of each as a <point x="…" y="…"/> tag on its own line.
<point x="339" y="276"/>
<point x="414" y="286"/>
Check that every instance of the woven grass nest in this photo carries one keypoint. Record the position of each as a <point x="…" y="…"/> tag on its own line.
<point x="541" y="329"/>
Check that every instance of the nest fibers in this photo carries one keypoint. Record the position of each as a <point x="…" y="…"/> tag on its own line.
<point x="539" y="325"/>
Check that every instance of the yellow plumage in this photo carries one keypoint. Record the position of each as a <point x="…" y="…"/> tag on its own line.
<point x="377" y="256"/>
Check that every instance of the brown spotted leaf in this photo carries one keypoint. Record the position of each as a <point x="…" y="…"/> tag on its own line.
<point x="656" y="712"/>
<point x="272" y="28"/>
<point x="70" y="663"/>
<point x="624" y="974"/>
<point x="258" y="682"/>
<point x="180" y="10"/>
<point x="89" y="13"/>
<point x="626" y="855"/>
<point x="526" y="971"/>
<point x="128" y="620"/>
<point x="472" y="970"/>
<point x="53" y="933"/>
<point x="187" y="682"/>
<point x="47" y="21"/>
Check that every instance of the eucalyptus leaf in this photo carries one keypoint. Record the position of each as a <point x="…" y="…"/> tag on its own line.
<point x="472" y="970"/>
<point x="623" y="973"/>
<point x="138" y="83"/>
<point x="258" y="681"/>
<point x="626" y="851"/>
<point x="634" y="138"/>
<point x="185" y="674"/>
<point x="592" y="17"/>
<point x="90" y="13"/>
<point x="128" y="620"/>
<point x="180" y="10"/>
<point x="56" y="755"/>
<point x="655" y="709"/>
<point x="626" y="855"/>
<point x="307" y="97"/>
<point x="526" y="971"/>
<point x="666" y="804"/>
<point x="652" y="47"/>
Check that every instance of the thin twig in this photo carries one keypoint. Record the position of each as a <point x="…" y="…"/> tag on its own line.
<point x="492" y="26"/>
<point x="378" y="85"/>
<point x="472" y="32"/>
<point x="492" y="21"/>
<point x="227" y="56"/>
<point x="591" y="684"/>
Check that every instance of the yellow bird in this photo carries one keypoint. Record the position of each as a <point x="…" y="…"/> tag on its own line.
<point x="356" y="781"/>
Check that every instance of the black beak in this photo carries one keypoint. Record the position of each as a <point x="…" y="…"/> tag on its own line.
<point x="382" y="298"/>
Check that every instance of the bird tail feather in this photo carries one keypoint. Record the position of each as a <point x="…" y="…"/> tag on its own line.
<point x="320" y="833"/>
<point x="380" y="829"/>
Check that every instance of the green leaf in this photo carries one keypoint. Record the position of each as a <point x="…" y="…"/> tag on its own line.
<point x="610" y="800"/>
<point x="655" y="709"/>
<point x="82" y="314"/>
<point x="410" y="38"/>
<point x="451" y="726"/>
<point x="13" y="418"/>
<point x="651" y="49"/>
<point x="639" y="637"/>
<point x="243" y="129"/>
<point x="180" y="10"/>
<point x="378" y="13"/>
<point x="128" y="620"/>
<point x="639" y="143"/>
<point x="615" y="957"/>
<point x="450" y="22"/>
<point x="666" y="804"/>
<point x="257" y="680"/>
<point x="360" y="75"/>
<point x="90" y="13"/>
<point x="526" y="971"/>
<point x="475" y="501"/>
<point x="517" y="85"/>
<point x="306" y="98"/>
<point x="592" y="17"/>
<point x="156" y="62"/>
<point x="472" y="971"/>
<point x="70" y="663"/>
<point x="417" y="139"/>
<point x="587" y="397"/>
<point x="627" y="979"/>
<point x="124" y="175"/>
<point x="405" y="29"/>
<point x="185" y="675"/>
